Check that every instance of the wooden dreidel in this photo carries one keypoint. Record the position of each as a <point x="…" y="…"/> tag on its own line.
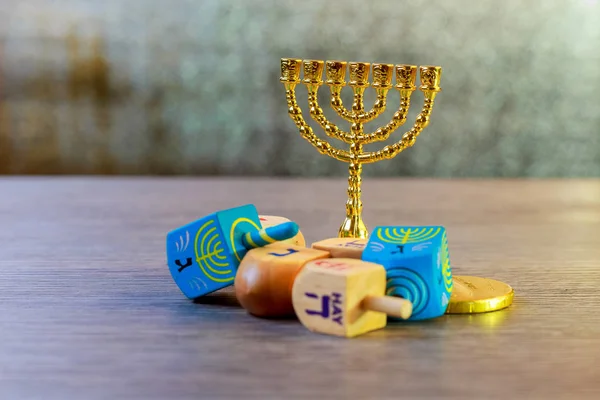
<point x="203" y="255"/>
<point x="263" y="283"/>
<point x="417" y="264"/>
<point x="272" y="220"/>
<point x="342" y="247"/>
<point x="345" y="297"/>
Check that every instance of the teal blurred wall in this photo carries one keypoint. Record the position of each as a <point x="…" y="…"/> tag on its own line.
<point x="191" y="87"/>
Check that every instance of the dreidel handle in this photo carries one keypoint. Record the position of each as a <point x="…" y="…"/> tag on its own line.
<point x="272" y="234"/>
<point x="394" y="306"/>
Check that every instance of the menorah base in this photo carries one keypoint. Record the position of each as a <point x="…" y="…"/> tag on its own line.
<point x="353" y="227"/>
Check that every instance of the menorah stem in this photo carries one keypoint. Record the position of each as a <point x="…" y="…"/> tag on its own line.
<point x="353" y="226"/>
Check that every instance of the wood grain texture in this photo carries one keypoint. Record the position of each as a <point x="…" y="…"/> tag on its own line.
<point x="88" y="309"/>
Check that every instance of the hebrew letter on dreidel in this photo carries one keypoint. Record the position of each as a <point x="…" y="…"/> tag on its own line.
<point x="203" y="255"/>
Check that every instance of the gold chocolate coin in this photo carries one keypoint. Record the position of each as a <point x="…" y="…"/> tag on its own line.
<point x="473" y="295"/>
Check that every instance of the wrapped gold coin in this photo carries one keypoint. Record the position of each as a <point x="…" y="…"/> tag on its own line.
<point x="473" y="295"/>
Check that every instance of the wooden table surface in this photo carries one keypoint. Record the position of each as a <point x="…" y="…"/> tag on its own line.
<point x="88" y="309"/>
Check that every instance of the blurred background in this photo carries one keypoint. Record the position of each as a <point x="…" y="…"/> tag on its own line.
<point x="191" y="86"/>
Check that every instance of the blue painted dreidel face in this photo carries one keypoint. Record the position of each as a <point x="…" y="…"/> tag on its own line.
<point x="203" y="255"/>
<point x="417" y="263"/>
<point x="235" y="223"/>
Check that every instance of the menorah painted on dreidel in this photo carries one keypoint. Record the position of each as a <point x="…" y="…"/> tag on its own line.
<point x="345" y="297"/>
<point x="417" y="264"/>
<point x="203" y="255"/>
<point x="353" y="225"/>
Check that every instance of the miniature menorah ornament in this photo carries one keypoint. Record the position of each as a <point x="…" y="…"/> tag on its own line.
<point x="353" y="226"/>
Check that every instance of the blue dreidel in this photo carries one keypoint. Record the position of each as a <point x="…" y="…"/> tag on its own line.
<point x="417" y="264"/>
<point x="203" y="255"/>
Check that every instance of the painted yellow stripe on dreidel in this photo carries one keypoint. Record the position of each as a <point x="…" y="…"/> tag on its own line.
<point x="248" y="240"/>
<point x="272" y="234"/>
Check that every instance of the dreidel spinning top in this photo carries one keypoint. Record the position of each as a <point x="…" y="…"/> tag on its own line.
<point x="263" y="284"/>
<point x="203" y="255"/>
<point x="345" y="297"/>
<point x="417" y="265"/>
<point x="417" y="260"/>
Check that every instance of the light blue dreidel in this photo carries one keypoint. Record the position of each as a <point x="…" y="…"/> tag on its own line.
<point x="203" y="256"/>
<point x="417" y="266"/>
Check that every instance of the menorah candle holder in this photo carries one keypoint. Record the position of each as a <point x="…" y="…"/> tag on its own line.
<point x="335" y="71"/>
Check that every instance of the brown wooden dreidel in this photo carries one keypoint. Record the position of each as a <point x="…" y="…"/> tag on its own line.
<point x="263" y="283"/>
<point x="345" y="297"/>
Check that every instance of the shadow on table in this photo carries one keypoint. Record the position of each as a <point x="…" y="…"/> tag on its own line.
<point x="221" y="298"/>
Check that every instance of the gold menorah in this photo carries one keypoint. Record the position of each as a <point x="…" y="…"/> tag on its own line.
<point x="406" y="75"/>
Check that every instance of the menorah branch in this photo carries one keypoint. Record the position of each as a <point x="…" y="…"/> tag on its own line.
<point x="316" y="112"/>
<point x="399" y="118"/>
<point x="338" y="105"/>
<point x="295" y="113"/>
<point x="354" y="116"/>
<point x="378" y="108"/>
<point x="408" y="139"/>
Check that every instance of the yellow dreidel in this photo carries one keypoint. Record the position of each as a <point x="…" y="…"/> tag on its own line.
<point x="345" y="297"/>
